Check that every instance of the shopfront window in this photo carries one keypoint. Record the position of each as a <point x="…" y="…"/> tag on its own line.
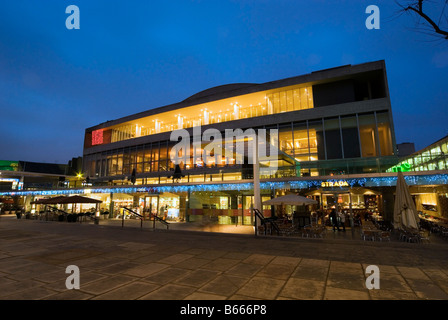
<point x="169" y="208"/>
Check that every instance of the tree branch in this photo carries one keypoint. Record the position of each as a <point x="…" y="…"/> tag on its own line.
<point x="420" y="12"/>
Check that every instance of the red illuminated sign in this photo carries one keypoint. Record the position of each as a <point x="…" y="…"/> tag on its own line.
<point x="97" y="137"/>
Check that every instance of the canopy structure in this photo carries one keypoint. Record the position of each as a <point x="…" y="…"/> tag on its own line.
<point x="76" y="199"/>
<point x="66" y="200"/>
<point x="405" y="213"/>
<point x="290" y="199"/>
<point x="48" y="201"/>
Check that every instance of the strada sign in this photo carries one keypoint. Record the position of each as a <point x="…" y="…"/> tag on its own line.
<point x="330" y="184"/>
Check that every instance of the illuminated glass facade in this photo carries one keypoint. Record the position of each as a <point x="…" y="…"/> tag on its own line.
<point x="433" y="157"/>
<point x="336" y="142"/>
<point x="327" y="124"/>
<point x="247" y="106"/>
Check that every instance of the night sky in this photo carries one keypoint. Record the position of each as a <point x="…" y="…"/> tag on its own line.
<point x="130" y="56"/>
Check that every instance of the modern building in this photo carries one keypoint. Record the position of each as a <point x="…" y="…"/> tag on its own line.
<point x="433" y="157"/>
<point x="335" y="143"/>
<point x="16" y="176"/>
<point x="330" y="122"/>
<point x="406" y="148"/>
<point x="431" y="199"/>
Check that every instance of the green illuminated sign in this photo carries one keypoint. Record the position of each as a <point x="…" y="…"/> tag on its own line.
<point x="9" y="165"/>
<point x="403" y="167"/>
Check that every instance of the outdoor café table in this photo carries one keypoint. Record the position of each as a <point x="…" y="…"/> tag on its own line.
<point x="313" y="231"/>
<point x="370" y="233"/>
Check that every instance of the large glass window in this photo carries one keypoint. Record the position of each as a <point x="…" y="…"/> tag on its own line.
<point x="133" y="157"/>
<point x="384" y="134"/>
<point x="435" y="152"/>
<point x="140" y="154"/>
<point x="155" y="152"/>
<point x="317" y="141"/>
<point x="103" y="168"/>
<point x="306" y="98"/>
<point x="127" y="161"/>
<point x="120" y="164"/>
<point x="154" y="166"/>
<point x="114" y="165"/>
<point x="445" y="148"/>
<point x="333" y="138"/>
<point x="283" y="101"/>
<point x="289" y="101"/>
<point x="147" y="153"/>
<point x="285" y="140"/>
<point x="163" y="162"/>
<point x="256" y="104"/>
<point x="367" y="133"/>
<point x="139" y="159"/>
<point x="426" y="157"/>
<point x="147" y="158"/>
<point x="91" y="167"/>
<point x="301" y="142"/>
<point x="350" y="137"/>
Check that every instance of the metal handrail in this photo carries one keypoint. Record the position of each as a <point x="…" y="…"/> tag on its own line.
<point x="134" y="213"/>
<point x="265" y="221"/>
<point x="160" y="220"/>
<point x="142" y="218"/>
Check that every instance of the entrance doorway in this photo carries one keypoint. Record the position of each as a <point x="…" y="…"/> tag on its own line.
<point x="151" y="206"/>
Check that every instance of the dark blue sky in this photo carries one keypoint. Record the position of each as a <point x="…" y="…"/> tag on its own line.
<point x="130" y="56"/>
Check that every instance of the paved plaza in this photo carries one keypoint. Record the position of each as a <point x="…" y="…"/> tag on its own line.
<point x="131" y="263"/>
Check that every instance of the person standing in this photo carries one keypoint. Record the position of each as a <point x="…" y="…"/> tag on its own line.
<point x="342" y="219"/>
<point x="334" y="219"/>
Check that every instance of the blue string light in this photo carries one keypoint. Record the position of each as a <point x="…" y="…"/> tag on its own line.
<point x="437" y="179"/>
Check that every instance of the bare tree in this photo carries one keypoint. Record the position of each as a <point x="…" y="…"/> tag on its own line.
<point x="436" y="26"/>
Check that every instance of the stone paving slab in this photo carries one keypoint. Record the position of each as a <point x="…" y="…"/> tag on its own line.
<point x="131" y="264"/>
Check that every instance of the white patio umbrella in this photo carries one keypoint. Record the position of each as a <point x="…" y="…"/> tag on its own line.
<point x="405" y="213"/>
<point x="290" y="199"/>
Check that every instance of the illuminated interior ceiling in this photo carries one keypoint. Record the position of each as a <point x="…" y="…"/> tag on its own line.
<point x="222" y="108"/>
<point x="282" y="158"/>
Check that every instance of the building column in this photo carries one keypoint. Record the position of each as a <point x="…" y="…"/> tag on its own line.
<point x="388" y="203"/>
<point x="111" y="206"/>
<point x="187" y="207"/>
<point x="257" y="192"/>
<point x="183" y="204"/>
